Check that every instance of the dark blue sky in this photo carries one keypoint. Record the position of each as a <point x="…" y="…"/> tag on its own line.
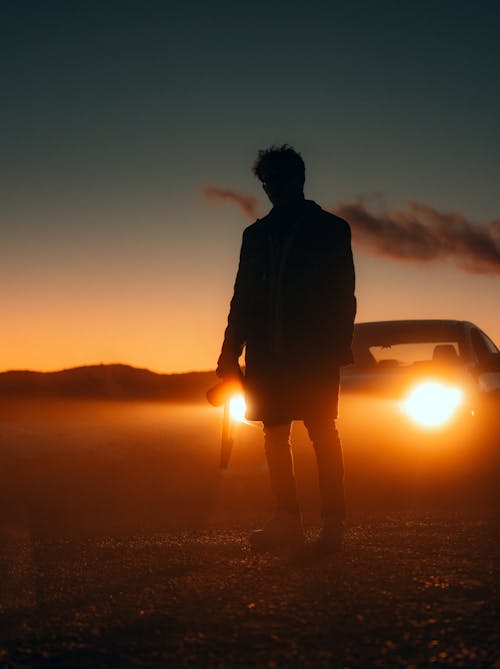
<point x="114" y="115"/>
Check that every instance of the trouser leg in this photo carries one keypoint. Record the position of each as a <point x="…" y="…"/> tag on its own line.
<point x="328" y="449"/>
<point x="280" y="465"/>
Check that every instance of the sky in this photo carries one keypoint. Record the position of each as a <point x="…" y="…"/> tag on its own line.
<point x="119" y="117"/>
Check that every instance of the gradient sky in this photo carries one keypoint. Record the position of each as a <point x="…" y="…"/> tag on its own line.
<point x="115" y="115"/>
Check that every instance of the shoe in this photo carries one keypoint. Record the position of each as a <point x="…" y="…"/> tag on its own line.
<point x="282" y="533"/>
<point x="331" y="538"/>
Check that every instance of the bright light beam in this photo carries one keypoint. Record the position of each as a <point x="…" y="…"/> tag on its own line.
<point x="237" y="408"/>
<point x="432" y="404"/>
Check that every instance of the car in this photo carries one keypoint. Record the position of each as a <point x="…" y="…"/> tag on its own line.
<point x="422" y="395"/>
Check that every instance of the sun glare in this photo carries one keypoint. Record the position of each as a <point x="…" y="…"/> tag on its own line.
<point x="432" y="404"/>
<point x="237" y="408"/>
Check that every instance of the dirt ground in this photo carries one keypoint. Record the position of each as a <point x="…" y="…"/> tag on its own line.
<point x="406" y="592"/>
<point x="123" y="545"/>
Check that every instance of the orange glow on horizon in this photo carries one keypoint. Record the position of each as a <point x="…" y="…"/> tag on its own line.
<point x="70" y="319"/>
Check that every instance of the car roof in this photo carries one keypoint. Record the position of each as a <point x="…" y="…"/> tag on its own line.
<point x="416" y="322"/>
<point x="411" y="330"/>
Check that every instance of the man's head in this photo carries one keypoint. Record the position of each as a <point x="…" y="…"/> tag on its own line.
<point x="282" y="173"/>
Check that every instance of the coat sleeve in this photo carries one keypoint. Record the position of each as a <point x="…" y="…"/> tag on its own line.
<point x="347" y="301"/>
<point x="339" y="297"/>
<point x="235" y="333"/>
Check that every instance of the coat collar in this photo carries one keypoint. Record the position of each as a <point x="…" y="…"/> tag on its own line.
<point x="291" y="213"/>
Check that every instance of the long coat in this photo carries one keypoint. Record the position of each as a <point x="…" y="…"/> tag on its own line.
<point x="292" y="310"/>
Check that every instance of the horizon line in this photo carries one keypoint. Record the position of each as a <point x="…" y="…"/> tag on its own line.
<point x="105" y="364"/>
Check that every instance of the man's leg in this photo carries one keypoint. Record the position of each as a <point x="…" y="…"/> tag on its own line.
<point x="280" y="465"/>
<point x="284" y="529"/>
<point x="326" y="442"/>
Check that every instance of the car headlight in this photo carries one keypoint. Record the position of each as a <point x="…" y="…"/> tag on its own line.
<point x="432" y="404"/>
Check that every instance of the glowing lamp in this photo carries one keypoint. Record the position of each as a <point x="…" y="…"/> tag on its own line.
<point x="227" y="393"/>
<point x="432" y="404"/>
<point x="237" y="408"/>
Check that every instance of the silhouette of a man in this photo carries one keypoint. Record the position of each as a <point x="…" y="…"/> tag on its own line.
<point x="293" y="310"/>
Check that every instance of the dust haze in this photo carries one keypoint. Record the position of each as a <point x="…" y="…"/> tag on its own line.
<point x="87" y="466"/>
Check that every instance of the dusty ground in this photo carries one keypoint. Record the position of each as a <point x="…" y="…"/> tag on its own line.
<point x="406" y="592"/>
<point x="123" y="545"/>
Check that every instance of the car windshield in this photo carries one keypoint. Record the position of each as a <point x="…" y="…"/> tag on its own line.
<point x="402" y="355"/>
<point x="396" y="345"/>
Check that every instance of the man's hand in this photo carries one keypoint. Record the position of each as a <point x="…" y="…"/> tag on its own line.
<point x="222" y="391"/>
<point x="228" y="369"/>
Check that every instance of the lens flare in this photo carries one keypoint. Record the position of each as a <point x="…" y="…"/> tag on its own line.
<point x="237" y="408"/>
<point x="432" y="404"/>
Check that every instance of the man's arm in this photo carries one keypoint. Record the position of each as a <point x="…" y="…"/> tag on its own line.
<point x="235" y="333"/>
<point x="339" y="301"/>
<point x="347" y="301"/>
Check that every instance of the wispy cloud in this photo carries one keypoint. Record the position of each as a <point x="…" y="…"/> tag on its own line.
<point x="422" y="233"/>
<point x="247" y="203"/>
<point x="419" y="234"/>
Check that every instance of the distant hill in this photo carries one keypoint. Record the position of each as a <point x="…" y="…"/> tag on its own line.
<point x="107" y="381"/>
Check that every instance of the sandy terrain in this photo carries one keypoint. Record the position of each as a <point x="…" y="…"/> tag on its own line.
<point x="406" y="593"/>
<point x="123" y="545"/>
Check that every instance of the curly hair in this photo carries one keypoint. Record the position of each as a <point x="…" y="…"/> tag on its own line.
<point x="282" y="160"/>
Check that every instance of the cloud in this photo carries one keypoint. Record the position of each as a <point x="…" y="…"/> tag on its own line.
<point x="247" y="203"/>
<point x="422" y="233"/>
<point x="419" y="234"/>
